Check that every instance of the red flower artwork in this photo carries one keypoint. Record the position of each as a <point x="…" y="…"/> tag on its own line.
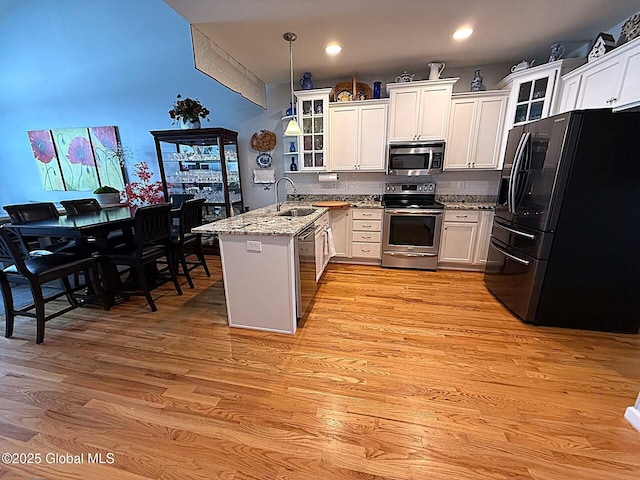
<point x="80" y="152"/>
<point x="42" y="145"/>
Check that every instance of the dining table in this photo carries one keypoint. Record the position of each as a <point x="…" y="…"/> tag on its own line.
<point x="85" y="229"/>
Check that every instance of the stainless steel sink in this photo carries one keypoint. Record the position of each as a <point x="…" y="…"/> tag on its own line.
<point x="297" y="212"/>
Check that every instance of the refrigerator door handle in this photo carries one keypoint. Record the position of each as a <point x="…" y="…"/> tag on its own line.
<point x="508" y="255"/>
<point x="517" y="232"/>
<point x="511" y="199"/>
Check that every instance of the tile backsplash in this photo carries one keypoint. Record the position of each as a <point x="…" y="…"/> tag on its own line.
<point x="359" y="183"/>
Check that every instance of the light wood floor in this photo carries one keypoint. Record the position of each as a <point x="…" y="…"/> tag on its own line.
<point x="396" y="374"/>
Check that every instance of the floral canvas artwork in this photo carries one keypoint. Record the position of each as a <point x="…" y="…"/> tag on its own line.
<point x="81" y="159"/>
<point x="106" y="150"/>
<point x="46" y="160"/>
<point x="77" y="162"/>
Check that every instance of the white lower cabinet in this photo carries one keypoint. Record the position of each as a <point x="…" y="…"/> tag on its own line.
<point x="322" y="252"/>
<point x="465" y="239"/>
<point x="340" y="223"/>
<point x="366" y="234"/>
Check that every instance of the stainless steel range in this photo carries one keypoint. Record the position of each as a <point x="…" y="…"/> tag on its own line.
<point x="412" y="225"/>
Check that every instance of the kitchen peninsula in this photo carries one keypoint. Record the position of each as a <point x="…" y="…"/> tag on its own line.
<point x="260" y="265"/>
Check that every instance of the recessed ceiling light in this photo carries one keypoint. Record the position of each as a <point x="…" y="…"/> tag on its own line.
<point x="333" y="49"/>
<point x="462" y="33"/>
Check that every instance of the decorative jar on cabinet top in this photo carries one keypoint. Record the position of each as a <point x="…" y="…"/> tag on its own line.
<point x="305" y="82"/>
<point x="476" y="82"/>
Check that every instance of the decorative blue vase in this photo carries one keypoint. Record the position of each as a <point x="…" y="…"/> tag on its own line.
<point x="293" y="167"/>
<point x="305" y="82"/>
<point x="292" y="146"/>
<point x="376" y="89"/>
<point x="476" y="83"/>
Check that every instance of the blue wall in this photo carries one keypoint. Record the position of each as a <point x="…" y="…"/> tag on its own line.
<point x="78" y="63"/>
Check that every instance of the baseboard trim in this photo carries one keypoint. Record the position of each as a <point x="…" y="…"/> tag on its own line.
<point x="632" y="415"/>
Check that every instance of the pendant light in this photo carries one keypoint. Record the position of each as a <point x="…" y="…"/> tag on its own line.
<point x="293" y="128"/>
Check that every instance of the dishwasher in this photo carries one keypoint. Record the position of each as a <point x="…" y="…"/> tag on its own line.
<point x="306" y="284"/>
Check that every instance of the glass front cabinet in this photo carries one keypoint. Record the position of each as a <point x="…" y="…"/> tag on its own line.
<point x="313" y="109"/>
<point x="202" y="162"/>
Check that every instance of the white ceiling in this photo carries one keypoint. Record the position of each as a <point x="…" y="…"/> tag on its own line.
<point x="381" y="36"/>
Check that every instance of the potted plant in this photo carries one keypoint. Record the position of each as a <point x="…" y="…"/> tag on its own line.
<point x="107" y="195"/>
<point x="188" y="112"/>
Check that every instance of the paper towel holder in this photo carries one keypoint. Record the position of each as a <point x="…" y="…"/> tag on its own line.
<point x="328" y="177"/>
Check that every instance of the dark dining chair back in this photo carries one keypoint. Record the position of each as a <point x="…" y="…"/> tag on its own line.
<point x="177" y="199"/>
<point x="81" y="206"/>
<point x="37" y="271"/>
<point x="186" y="243"/>
<point x="31" y="212"/>
<point x="152" y="231"/>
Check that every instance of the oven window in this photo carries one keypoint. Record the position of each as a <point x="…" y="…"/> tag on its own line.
<point x="408" y="162"/>
<point x="412" y="230"/>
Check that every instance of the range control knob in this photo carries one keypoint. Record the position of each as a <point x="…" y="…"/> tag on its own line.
<point x="419" y="189"/>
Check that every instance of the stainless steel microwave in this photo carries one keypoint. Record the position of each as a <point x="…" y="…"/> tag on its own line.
<point x="415" y="158"/>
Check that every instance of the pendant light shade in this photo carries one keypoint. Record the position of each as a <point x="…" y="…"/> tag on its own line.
<point x="293" y="129"/>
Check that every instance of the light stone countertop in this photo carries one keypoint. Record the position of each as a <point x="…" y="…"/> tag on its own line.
<point x="469" y="206"/>
<point x="264" y="221"/>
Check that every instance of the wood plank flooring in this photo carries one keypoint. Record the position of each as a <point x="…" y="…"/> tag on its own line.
<point x="395" y="374"/>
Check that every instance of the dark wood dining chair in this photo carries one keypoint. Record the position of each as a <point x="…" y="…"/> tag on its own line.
<point x="177" y="199"/>
<point x="37" y="271"/>
<point x="151" y="242"/>
<point x="32" y="212"/>
<point x="85" y="206"/>
<point x="81" y="206"/>
<point x="187" y="244"/>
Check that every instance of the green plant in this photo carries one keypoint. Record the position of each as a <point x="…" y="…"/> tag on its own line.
<point x="188" y="109"/>
<point x="106" y="189"/>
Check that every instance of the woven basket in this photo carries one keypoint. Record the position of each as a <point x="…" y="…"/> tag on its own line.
<point x="264" y="141"/>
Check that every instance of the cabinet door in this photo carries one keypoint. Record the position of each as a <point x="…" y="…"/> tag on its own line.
<point x="458" y="242"/>
<point x="600" y="85"/>
<point x="404" y="114"/>
<point x="343" y="141"/>
<point x="313" y="117"/>
<point x="372" y="152"/>
<point x="320" y="242"/>
<point x="460" y="137"/>
<point x="340" y="223"/>
<point x="630" y="87"/>
<point x="434" y="112"/>
<point x="488" y="123"/>
<point x="570" y="90"/>
<point x="484" y="236"/>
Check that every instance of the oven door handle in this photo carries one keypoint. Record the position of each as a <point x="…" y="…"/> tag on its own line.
<point x="517" y="232"/>
<point x="413" y="211"/>
<point x="508" y="255"/>
<point x="406" y="254"/>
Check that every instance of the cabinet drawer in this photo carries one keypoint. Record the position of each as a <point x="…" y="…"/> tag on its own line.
<point x="367" y="213"/>
<point x="367" y="250"/>
<point x="373" y="237"/>
<point x="461" y="215"/>
<point x="323" y="221"/>
<point x="367" y="225"/>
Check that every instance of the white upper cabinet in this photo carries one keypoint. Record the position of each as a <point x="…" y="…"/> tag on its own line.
<point x="533" y="90"/>
<point x="475" y="130"/>
<point x="358" y="136"/>
<point x="419" y="110"/>
<point x="612" y="81"/>
<point x="312" y="144"/>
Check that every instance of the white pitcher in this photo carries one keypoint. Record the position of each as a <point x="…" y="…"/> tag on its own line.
<point x="435" y="70"/>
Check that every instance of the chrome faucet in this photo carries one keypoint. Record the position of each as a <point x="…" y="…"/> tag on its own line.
<point x="276" y="189"/>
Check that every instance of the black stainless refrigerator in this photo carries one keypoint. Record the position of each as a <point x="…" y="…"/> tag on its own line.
<point x="565" y="242"/>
